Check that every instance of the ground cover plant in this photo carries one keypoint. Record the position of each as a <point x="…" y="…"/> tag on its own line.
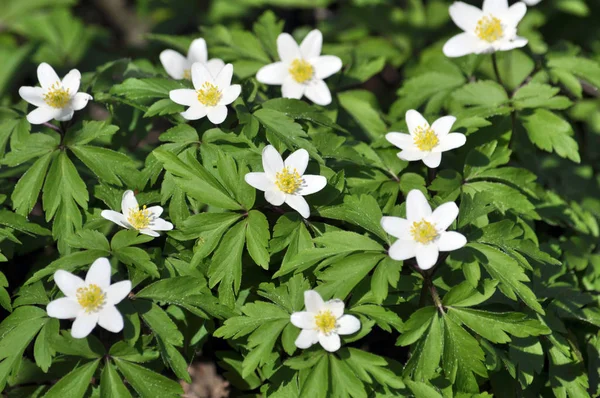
<point x="360" y="198"/>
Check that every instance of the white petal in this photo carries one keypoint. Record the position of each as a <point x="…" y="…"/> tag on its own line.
<point x="336" y="306"/>
<point x="495" y="7"/>
<point x="47" y="76"/>
<point x="230" y="94"/>
<point x="63" y="308"/>
<point x="68" y="283"/>
<point x="518" y="42"/>
<point x="259" y="181"/>
<point x="116" y="292"/>
<point x="197" y="52"/>
<point x="515" y="13"/>
<point x="184" y="96"/>
<point x="275" y="197"/>
<point x="427" y="255"/>
<point x="292" y="89"/>
<point x="111" y="319"/>
<point x="326" y="65"/>
<point x="330" y="342"/>
<point x="272" y="161"/>
<point x="464" y="44"/>
<point x="443" y="125"/>
<point x="156" y="211"/>
<point x="42" y="115"/>
<point x="451" y="141"/>
<point x="433" y="159"/>
<point x="84" y="324"/>
<point x="287" y="48"/>
<point x="115" y="217"/>
<point x="195" y="112"/>
<point x="128" y="202"/>
<point x="299" y="204"/>
<point x="402" y="141"/>
<point x="216" y="114"/>
<point x="149" y="232"/>
<point x="71" y="81"/>
<point x="80" y="101"/>
<point x="411" y="155"/>
<point x="223" y="79"/>
<point x="307" y="338"/>
<point x="298" y="161"/>
<point x="99" y="273"/>
<point x="312" y="44"/>
<point x="465" y="16"/>
<point x="65" y="114"/>
<point x="33" y="95"/>
<point x="403" y="250"/>
<point x="396" y="226"/>
<point x="444" y="216"/>
<point x="273" y="73"/>
<point x="312" y="184"/>
<point x="214" y="66"/>
<point x="313" y="301"/>
<point x="450" y="240"/>
<point x="200" y="75"/>
<point x="160" y="224"/>
<point x="414" y="120"/>
<point x="417" y="206"/>
<point x="174" y="63"/>
<point x="318" y="92"/>
<point x="303" y="320"/>
<point x="348" y="324"/>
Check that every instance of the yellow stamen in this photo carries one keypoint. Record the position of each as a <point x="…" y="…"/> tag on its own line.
<point x="325" y="321"/>
<point x="423" y="231"/>
<point x="209" y="94"/>
<point x="91" y="298"/>
<point x="301" y="70"/>
<point x="57" y="96"/>
<point x="425" y="138"/>
<point x="187" y="74"/>
<point x="139" y="218"/>
<point x="489" y="28"/>
<point x="288" y="181"/>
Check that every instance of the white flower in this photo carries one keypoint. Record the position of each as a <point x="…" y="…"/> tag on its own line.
<point x="531" y="2"/>
<point x="426" y="142"/>
<point x="180" y="67"/>
<point x="485" y="31"/>
<point x="302" y="69"/>
<point x="423" y="234"/>
<point x="56" y="99"/>
<point x="323" y="322"/>
<point x="286" y="181"/>
<point x="210" y="96"/>
<point x="145" y="220"/>
<point x="91" y="302"/>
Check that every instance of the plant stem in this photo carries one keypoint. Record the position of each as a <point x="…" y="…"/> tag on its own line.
<point x="497" y="71"/>
<point x="434" y="293"/>
<point x="53" y="127"/>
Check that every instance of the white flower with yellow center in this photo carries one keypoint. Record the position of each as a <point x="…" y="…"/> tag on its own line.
<point x="485" y="31"/>
<point x="91" y="302"/>
<point x="210" y="96"/>
<point x="323" y="322"/>
<point x="302" y="68"/>
<point x="56" y="99"/>
<point x="426" y="142"/>
<point x="285" y="182"/>
<point x="146" y="220"/>
<point x="423" y="233"/>
<point x="180" y="67"/>
<point x="532" y="2"/>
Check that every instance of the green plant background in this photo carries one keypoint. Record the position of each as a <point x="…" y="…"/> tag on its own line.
<point x="519" y="304"/>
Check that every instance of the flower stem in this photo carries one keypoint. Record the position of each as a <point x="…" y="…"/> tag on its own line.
<point x="53" y="127"/>
<point x="434" y="293"/>
<point x="496" y="70"/>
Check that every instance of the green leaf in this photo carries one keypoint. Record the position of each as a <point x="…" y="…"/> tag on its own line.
<point x="107" y="164"/>
<point x="134" y="256"/>
<point x="267" y="29"/>
<point x="361" y="211"/>
<point x="535" y="95"/>
<point x="226" y="264"/>
<point x="75" y="383"/>
<point x="360" y="105"/>
<point x="425" y="356"/>
<point x="257" y="238"/>
<point x="111" y="384"/>
<point x="316" y="382"/>
<point x="368" y="366"/>
<point x="481" y="93"/>
<point x="339" y="279"/>
<point x="160" y="323"/>
<point x="143" y="89"/>
<point x="344" y="383"/>
<point x="90" y="131"/>
<point x="148" y="383"/>
<point x="27" y="190"/>
<point x="551" y="133"/>
<point x="42" y="350"/>
<point x="35" y="145"/>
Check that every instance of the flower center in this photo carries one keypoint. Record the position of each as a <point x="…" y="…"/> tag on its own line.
<point x="288" y="181"/>
<point x="57" y="96"/>
<point x="187" y="74"/>
<point x="91" y="298"/>
<point x="301" y="70"/>
<point x="209" y="94"/>
<point x="139" y="218"/>
<point x="325" y="321"/>
<point x="425" y="138"/>
<point x="489" y="28"/>
<point x="423" y="231"/>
